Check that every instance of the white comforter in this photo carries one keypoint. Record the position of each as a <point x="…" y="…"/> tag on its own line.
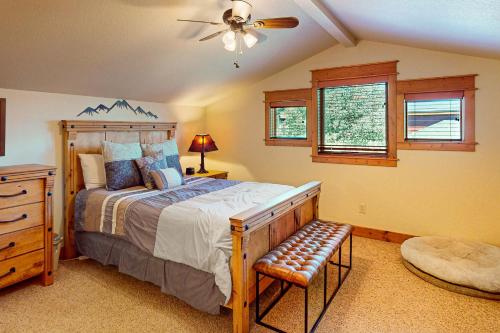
<point x="197" y="232"/>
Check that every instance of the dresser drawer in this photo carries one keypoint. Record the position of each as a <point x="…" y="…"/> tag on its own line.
<point x="21" y="242"/>
<point x="20" y="268"/>
<point x="21" y="193"/>
<point x="22" y="217"/>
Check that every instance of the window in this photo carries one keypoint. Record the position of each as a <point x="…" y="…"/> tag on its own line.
<point x="287" y="122"/>
<point x="353" y="119"/>
<point x="355" y="114"/>
<point x="436" y="113"/>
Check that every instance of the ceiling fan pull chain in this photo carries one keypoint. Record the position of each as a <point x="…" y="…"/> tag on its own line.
<point x="238" y="50"/>
<point x="240" y="39"/>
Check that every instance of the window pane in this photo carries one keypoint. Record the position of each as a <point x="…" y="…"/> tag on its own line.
<point x="434" y="120"/>
<point x="353" y="119"/>
<point x="289" y="122"/>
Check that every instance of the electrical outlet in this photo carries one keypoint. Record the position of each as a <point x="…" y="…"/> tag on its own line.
<point x="362" y="208"/>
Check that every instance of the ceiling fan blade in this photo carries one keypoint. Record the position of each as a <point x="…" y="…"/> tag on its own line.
<point x="276" y="23"/>
<point x="213" y="35"/>
<point x="198" y="21"/>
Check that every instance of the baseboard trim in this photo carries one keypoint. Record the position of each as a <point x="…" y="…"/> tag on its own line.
<point x="382" y="235"/>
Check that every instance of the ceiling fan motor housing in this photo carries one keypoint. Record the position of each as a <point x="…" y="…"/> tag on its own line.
<point x="240" y="12"/>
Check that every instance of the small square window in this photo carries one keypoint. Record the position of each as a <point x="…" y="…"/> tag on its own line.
<point x="288" y="122"/>
<point x="437" y="113"/>
<point x="287" y="113"/>
<point x="439" y="119"/>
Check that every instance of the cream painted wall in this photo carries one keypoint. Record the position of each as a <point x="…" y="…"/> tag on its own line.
<point x="430" y="193"/>
<point x="34" y="136"/>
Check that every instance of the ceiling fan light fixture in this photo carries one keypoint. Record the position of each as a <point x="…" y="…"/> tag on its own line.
<point x="241" y="10"/>
<point x="230" y="46"/>
<point x="229" y="37"/>
<point x="250" y="39"/>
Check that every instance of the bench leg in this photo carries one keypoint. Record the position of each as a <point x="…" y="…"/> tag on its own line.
<point x="306" y="314"/>
<point x="340" y="266"/>
<point x="350" y="251"/>
<point x="257" y="297"/>
<point x="325" y="285"/>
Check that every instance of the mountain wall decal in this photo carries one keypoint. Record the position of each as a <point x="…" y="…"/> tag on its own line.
<point x="119" y="104"/>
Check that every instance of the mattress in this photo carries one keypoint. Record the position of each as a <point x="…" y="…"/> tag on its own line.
<point x="186" y="225"/>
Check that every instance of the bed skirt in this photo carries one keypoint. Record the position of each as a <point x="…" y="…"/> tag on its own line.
<point x="195" y="287"/>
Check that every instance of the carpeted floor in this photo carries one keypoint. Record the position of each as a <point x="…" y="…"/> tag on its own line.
<point x="380" y="295"/>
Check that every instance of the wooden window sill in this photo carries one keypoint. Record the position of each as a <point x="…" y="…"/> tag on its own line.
<point x="288" y="142"/>
<point x="438" y="146"/>
<point x="356" y="160"/>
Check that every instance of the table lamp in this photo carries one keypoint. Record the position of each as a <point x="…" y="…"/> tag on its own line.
<point x="202" y="143"/>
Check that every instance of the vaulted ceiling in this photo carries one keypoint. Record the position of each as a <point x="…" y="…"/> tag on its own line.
<point x="136" y="49"/>
<point x="461" y="26"/>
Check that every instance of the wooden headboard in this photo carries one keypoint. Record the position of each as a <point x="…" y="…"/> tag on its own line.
<point x="85" y="137"/>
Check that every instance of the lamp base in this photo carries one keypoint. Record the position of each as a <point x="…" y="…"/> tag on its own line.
<point x="202" y="164"/>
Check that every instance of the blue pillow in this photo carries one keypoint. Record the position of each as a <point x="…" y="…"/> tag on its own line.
<point x="168" y="149"/>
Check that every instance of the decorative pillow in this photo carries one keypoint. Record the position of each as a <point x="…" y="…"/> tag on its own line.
<point x="93" y="170"/>
<point x="167" y="178"/>
<point x="119" y="165"/>
<point x="148" y="164"/>
<point x="169" y="150"/>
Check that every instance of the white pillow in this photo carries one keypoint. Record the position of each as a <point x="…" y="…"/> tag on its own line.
<point x="93" y="170"/>
<point x="167" y="178"/>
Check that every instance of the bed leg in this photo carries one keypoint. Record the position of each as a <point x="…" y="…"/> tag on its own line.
<point x="241" y="313"/>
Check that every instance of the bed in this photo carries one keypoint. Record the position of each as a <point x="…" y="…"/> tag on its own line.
<point x="257" y="217"/>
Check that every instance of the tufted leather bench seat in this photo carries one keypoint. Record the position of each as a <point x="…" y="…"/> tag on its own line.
<point x="300" y="258"/>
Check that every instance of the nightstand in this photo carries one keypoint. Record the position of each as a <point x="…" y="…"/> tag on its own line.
<point x="213" y="174"/>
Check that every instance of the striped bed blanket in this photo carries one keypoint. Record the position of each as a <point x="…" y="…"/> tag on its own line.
<point x="188" y="224"/>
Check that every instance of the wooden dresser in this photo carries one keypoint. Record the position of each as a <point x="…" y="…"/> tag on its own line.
<point x="26" y="223"/>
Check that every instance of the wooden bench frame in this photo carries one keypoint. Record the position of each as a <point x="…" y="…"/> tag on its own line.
<point x="254" y="232"/>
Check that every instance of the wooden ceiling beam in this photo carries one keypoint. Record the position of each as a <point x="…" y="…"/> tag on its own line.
<point x="317" y="10"/>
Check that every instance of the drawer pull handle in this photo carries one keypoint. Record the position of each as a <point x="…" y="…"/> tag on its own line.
<point x="11" y="244"/>
<point x="22" y="217"/>
<point x="11" y="271"/>
<point x="23" y="192"/>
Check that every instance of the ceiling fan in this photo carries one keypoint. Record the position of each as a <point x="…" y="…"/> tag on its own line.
<point x="240" y="28"/>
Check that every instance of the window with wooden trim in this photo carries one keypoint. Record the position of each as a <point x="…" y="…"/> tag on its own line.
<point x="436" y="113"/>
<point x="287" y="117"/>
<point x="355" y="114"/>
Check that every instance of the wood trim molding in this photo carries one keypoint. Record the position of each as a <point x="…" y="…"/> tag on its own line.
<point x="302" y="94"/>
<point x="381" y="235"/>
<point x="355" y="71"/>
<point x="290" y="97"/>
<point x="288" y="142"/>
<point x="367" y="73"/>
<point x="357" y="160"/>
<point x="3" y="125"/>
<point x="437" y="84"/>
<point x="448" y="86"/>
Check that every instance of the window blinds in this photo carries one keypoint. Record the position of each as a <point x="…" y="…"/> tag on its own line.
<point x="439" y="119"/>
<point x="353" y="119"/>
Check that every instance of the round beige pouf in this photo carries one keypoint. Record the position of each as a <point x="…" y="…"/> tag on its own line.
<point x="465" y="267"/>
